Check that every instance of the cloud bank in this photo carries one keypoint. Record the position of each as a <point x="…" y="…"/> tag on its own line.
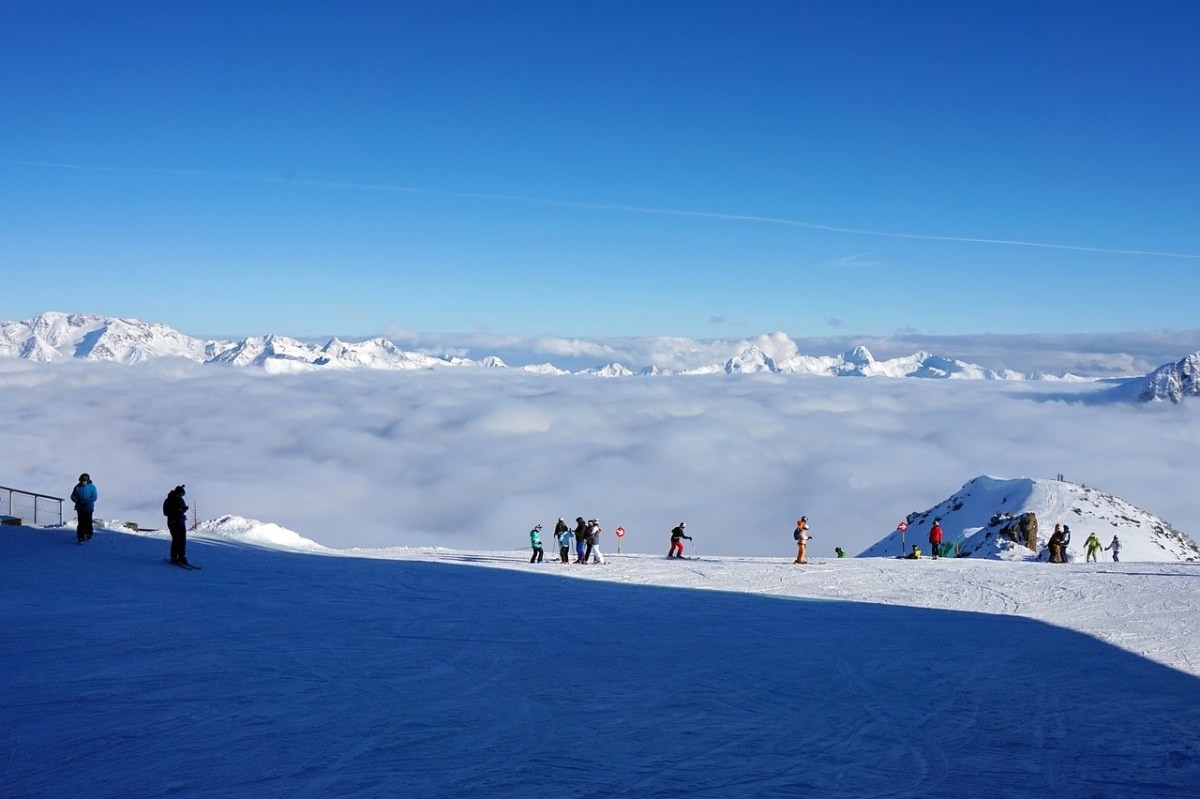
<point x="473" y="458"/>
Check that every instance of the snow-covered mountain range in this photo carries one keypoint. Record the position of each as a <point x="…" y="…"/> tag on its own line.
<point x="989" y="517"/>
<point x="55" y="336"/>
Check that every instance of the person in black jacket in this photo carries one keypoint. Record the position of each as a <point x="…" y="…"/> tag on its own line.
<point x="677" y="537"/>
<point x="175" y="509"/>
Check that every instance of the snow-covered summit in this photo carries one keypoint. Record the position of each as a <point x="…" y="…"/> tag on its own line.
<point x="987" y="519"/>
<point x="1173" y="381"/>
<point x="55" y="336"/>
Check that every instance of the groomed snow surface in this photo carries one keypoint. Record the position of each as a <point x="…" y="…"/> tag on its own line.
<point x="437" y="673"/>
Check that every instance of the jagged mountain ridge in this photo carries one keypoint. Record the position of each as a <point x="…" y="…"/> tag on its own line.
<point x="1173" y="381"/>
<point x="55" y="336"/>
<point x="978" y="515"/>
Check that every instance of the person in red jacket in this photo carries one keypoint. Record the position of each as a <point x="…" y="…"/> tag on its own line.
<point x="935" y="537"/>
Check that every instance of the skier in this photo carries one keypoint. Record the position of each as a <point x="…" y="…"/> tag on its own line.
<point x="175" y="509"/>
<point x="1093" y="546"/>
<point x="559" y="529"/>
<point x="593" y="544"/>
<point x="1055" y="545"/>
<point x="564" y="545"/>
<point x="677" y="536"/>
<point x="1066" y="542"/>
<point x="935" y="537"/>
<point x="801" y="535"/>
<point x="84" y="496"/>
<point x="580" y="538"/>
<point x="535" y="541"/>
<point x="1115" y="546"/>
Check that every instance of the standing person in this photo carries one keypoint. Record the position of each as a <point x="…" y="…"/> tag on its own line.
<point x="535" y="541"/>
<point x="559" y="529"/>
<point x="594" y="555"/>
<point x="1115" y="546"/>
<point x="1055" y="545"/>
<point x="1066" y="542"/>
<point x="801" y="535"/>
<point x="1093" y="546"/>
<point x="84" y="496"/>
<point x="841" y="553"/>
<point x="580" y="538"/>
<point x="677" y="536"/>
<point x="935" y="537"/>
<point x="564" y="545"/>
<point x="175" y="509"/>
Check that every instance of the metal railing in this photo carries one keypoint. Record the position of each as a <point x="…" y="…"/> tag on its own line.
<point x="43" y="504"/>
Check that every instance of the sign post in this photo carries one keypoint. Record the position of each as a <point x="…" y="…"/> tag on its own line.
<point x="620" y="531"/>
<point x="902" y="526"/>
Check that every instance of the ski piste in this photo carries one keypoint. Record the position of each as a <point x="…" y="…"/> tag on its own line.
<point x="188" y="566"/>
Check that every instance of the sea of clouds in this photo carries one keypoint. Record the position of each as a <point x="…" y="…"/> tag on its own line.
<point x="472" y="458"/>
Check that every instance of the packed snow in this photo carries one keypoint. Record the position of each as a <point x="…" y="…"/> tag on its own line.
<point x="275" y="672"/>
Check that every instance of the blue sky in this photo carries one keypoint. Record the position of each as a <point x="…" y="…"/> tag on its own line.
<point x="623" y="169"/>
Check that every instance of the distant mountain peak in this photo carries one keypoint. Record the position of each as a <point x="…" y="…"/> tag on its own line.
<point x="1173" y="381"/>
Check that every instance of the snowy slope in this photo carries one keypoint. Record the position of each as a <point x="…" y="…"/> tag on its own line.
<point x="418" y="673"/>
<point x="978" y="514"/>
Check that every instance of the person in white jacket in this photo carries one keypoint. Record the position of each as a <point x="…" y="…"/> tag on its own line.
<point x="593" y="554"/>
<point x="1115" y="546"/>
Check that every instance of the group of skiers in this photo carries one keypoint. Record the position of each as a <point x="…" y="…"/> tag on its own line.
<point x="586" y="536"/>
<point x="1057" y="545"/>
<point x="84" y="497"/>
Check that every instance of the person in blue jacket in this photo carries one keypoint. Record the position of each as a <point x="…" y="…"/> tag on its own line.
<point x="564" y="545"/>
<point x="535" y="541"/>
<point x="84" y="496"/>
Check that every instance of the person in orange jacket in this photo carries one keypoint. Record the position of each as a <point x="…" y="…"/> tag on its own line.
<point x="801" y="535"/>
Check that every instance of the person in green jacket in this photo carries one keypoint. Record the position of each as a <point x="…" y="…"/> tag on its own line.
<point x="1093" y="547"/>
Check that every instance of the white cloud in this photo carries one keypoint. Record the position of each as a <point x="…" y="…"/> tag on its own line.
<point x="473" y="458"/>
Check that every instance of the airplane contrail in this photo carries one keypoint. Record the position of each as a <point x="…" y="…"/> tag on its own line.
<point x="612" y="207"/>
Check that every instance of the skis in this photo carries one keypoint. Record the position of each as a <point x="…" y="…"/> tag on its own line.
<point x="188" y="566"/>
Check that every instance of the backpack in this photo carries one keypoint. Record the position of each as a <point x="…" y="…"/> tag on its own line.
<point x="796" y="535"/>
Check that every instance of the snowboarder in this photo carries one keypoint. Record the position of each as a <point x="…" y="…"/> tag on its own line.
<point x="535" y="541"/>
<point x="593" y="543"/>
<point x="175" y="509"/>
<point x="915" y="554"/>
<point x="1093" y="546"/>
<point x="564" y="545"/>
<point x="580" y="538"/>
<point x="1115" y="546"/>
<point x="801" y="535"/>
<point x="84" y="496"/>
<point x="935" y="538"/>
<point x="841" y="553"/>
<point x="677" y="536"/>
